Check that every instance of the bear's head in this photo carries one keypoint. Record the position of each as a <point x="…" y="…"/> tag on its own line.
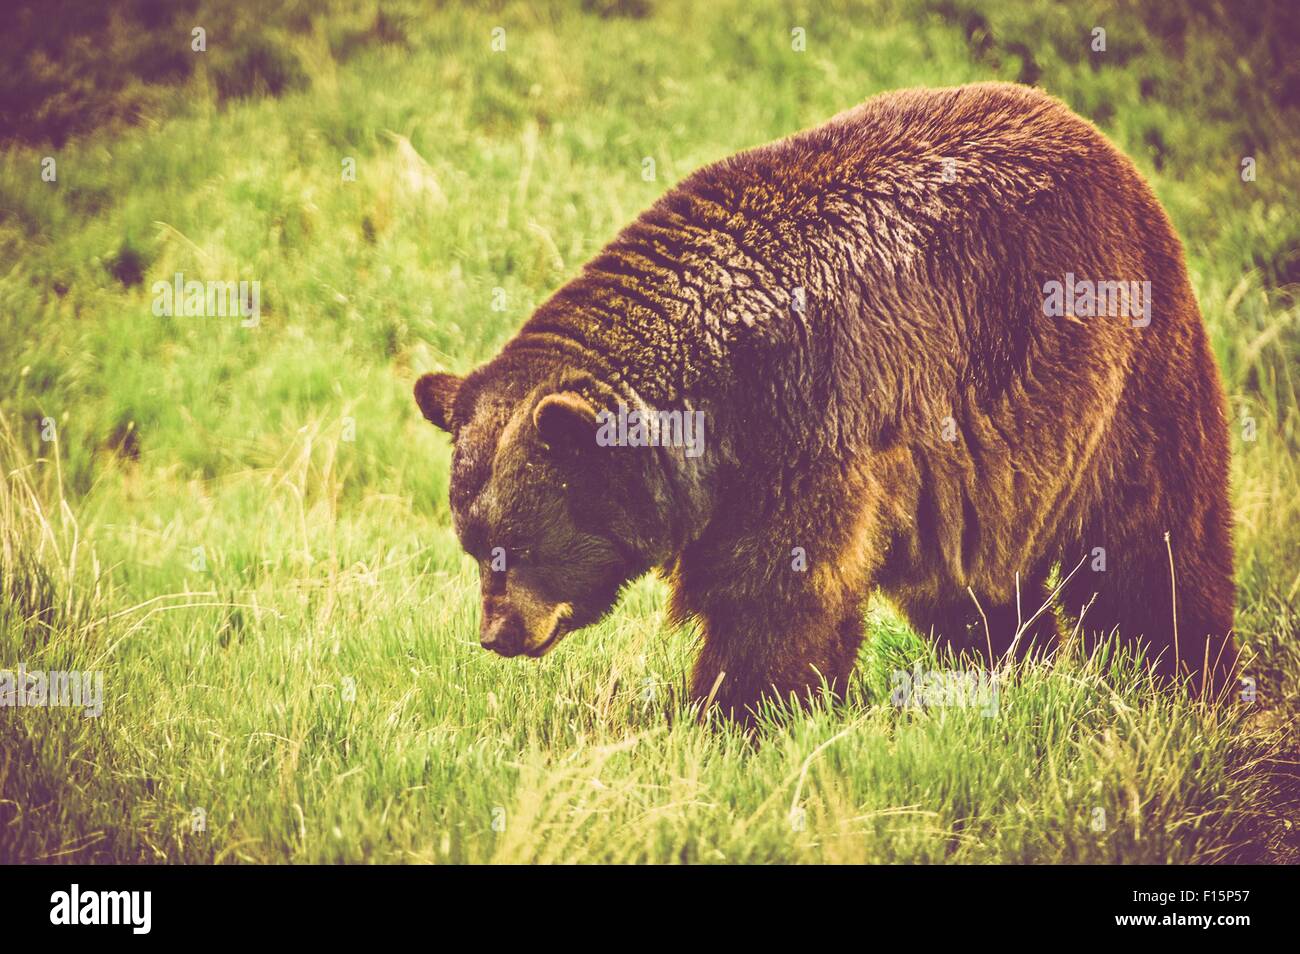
<point x="557" y="523"/>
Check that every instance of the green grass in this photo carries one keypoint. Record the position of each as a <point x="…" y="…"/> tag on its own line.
<point x="313" y="683"/>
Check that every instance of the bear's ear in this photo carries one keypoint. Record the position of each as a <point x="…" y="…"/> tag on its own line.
<point x="435" y="393"/>
<point x="565" y="419"/>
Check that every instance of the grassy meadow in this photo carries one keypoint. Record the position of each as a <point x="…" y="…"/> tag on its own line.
<point x="246" y="529"/>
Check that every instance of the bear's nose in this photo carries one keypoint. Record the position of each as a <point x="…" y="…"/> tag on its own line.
<point x="503" y="634"/>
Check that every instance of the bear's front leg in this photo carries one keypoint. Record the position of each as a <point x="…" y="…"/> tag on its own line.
<point x="779" y="591"/>
<point x="776" y="652"/>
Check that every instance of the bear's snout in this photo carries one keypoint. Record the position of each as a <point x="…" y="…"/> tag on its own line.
<point x="523" y="624"/>
<point x="503" y="633"/>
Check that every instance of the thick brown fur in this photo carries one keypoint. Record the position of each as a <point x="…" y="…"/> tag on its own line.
<point x="858" y="311"/>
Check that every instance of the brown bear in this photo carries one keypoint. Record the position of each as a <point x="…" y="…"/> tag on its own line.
<point x="937" y="346"/>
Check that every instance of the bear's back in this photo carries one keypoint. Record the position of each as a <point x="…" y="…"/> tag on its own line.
<point x="903" y="166"/>
<point x="945" y="209"/>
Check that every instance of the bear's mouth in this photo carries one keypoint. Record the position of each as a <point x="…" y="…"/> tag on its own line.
<point x="559" y="630"/>
<point x="549" y="643"/>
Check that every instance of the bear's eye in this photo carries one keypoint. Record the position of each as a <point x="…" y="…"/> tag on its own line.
<point x="474" y="540"/>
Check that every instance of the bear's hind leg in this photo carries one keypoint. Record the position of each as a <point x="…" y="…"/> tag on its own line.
<point x="1136" y="595"/>
<point x="977" y="629"/>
